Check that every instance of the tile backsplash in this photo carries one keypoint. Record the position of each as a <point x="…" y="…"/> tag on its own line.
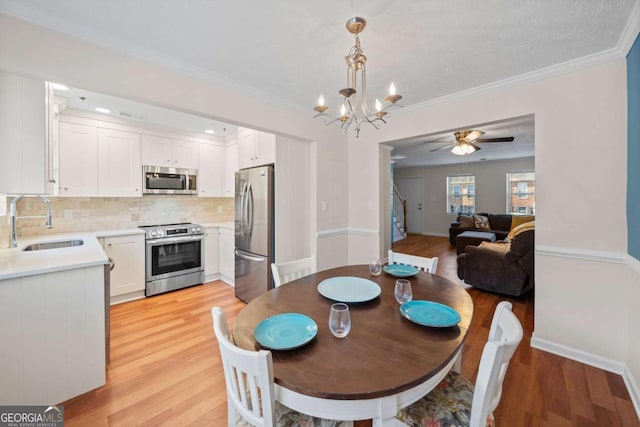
<point x="70" y="215"/>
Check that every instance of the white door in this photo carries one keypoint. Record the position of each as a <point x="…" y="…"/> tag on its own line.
<point x="411" y="190"/>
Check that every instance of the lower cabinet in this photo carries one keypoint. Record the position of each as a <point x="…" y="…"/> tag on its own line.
<point x="226" y="256"/>
<point x="52" y="335"/>
<point x="128" y="275"/>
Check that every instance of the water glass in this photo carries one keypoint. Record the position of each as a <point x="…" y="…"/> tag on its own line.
<point x="402" y="291"/>
<point x="339" y="320"/>
<point x="375" y="266"/>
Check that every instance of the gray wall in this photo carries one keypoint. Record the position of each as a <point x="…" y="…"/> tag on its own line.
<point x="490" y="188"/>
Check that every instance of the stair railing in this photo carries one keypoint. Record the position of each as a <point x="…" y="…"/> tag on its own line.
<point x="399" y="206"/>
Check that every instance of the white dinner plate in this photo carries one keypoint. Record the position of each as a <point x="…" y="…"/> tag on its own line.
<point x="349" y="289"/>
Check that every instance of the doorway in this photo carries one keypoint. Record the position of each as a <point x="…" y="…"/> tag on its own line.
<point x="412" y="190"/>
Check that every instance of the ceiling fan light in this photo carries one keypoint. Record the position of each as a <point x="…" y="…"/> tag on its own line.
<point x="457" y="149"/>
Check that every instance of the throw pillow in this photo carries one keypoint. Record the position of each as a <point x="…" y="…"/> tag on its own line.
<point x="481" y="222"/>
<point x="531" y="225"/>
<point x="466" y="221"/>
<point x="516" y="220"/>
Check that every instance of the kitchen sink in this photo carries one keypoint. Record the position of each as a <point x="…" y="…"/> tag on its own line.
<point x="53" y="245"/>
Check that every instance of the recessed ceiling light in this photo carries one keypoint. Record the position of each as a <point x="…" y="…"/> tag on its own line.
<point x="209" y="131"/>
<point x="58" y="86"/>
<point x="103" y="110"/>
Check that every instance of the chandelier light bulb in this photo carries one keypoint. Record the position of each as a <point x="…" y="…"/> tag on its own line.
<point x="392" y="89"/>
<point x="378" y="105"/>
<point x="321" y="100"/>
<point x="343" y="110"/>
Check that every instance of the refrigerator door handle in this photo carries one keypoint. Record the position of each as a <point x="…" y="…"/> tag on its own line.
<point x="243" y="201"/>
<point x="249" y="257"/>
<point x="249" y="210"/>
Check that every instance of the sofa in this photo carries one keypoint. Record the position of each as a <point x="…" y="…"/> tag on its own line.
<point x="505" y="267"/>
<point x="499" y="224"/>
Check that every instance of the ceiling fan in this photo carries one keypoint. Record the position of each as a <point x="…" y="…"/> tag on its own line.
<point x="466" y="139"/>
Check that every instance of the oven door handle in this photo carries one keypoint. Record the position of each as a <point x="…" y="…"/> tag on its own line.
<point x="175" y="240"/>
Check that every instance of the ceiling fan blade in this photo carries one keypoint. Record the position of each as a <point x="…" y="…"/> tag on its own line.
<point x="504" y="139"/>
<point x="473" y="135"/>
<point x="442" y="148"/>
<point x="475" y="146"/>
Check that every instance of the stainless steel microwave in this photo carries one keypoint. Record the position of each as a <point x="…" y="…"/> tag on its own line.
<point x="164" y="180"/>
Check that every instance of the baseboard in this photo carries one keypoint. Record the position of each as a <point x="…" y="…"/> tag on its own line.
<point x="131" y="296"/>
<point x="633" y="388"/>
<point x="581" y="356"/>
<point x="591" y="359"/>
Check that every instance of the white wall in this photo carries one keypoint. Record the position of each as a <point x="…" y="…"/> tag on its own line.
<point x="491" y="195"/>
<point x="582" y="279"/>
<point x="33" y="51"/>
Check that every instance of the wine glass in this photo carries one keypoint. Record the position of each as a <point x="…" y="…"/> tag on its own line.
<point x="402" y="291"/>
<point x="375" y="266"/>
<point x="339" y="320"/>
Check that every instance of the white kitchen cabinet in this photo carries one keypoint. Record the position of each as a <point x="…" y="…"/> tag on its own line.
<point x="226" y="255"/>
<point x="210" y="170"/>
<point x="255" y="148"/>
<point x="119" y="166"/>
<point x="230" y="168"/>
<point x="128" y="275"/>
<point x="78" y="160"/>
<point x="161" y="151"/>
<point x="211" y="251"/>
<point x="50" y="320"/>
<point x="26" y="114"/>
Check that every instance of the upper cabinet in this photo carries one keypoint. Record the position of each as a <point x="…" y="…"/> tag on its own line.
<point x="78" y="160"/>
<point x="160" y="151"/>
<point x="210" y="170"/>
<point x="99" y="162"/>
<point x="255" y="148"/>
<point x="119" y="173"/>
<point x="26" y="113"/>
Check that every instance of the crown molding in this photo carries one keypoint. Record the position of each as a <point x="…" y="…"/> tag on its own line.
<point x="630" y="32"/>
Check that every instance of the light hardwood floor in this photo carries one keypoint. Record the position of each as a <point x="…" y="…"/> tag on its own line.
<point x="165" y="366"/>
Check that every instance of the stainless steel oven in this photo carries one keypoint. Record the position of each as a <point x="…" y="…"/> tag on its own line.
<point x="174" y="257"/>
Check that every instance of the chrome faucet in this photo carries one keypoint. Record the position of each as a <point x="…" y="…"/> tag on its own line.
<point x="14" y="217"/>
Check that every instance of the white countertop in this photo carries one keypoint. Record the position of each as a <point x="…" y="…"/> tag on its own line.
<point x="229" y="225"/>
<point x="14" y="262"/>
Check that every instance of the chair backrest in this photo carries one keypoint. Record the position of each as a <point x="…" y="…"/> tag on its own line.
<point x="421" y="263"/>
<point x="504" y="337"/>
<point x="248" y="376"/>
<point x="288" y="271"/>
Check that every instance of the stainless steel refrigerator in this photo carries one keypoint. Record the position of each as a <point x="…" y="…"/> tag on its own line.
<point x="254" y="232"/>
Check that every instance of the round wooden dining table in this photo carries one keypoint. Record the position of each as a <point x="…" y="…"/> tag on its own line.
<point x="386" y="362"/>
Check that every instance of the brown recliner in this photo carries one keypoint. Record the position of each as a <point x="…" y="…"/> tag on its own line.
<point x="504" y="267"/>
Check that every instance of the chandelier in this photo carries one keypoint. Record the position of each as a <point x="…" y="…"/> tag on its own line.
<point x="355" y="110"/>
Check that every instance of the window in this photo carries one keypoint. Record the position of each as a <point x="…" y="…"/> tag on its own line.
<point x="461" y="194"/>
<point x="521" y="193"/>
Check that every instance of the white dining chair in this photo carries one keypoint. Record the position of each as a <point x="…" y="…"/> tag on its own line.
<point x="421" y="263"/>
<point x="248" y="376"/>
<point x="455" y="401"/>
<point x="292" y="270"/>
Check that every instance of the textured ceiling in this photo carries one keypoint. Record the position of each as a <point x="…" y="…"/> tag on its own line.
<point x="290" y="51"/>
